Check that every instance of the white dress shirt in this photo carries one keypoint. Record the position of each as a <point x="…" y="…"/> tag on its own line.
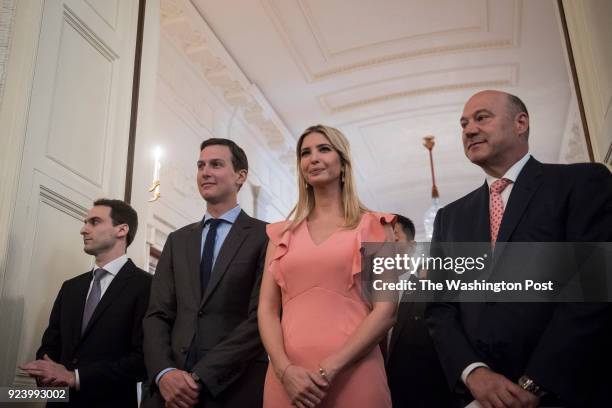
<point x="113" y="268"/>
<point x="512" y="174"/>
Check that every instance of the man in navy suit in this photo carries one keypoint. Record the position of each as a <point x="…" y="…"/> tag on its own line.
<point x="93" y="344"/>
<point x="415" y="377"/>
<point x="523" y="354"/>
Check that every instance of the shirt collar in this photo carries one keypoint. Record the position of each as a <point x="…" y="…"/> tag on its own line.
<point x="512" y="173"/>
<point x="114" y="266"/>
<point x="229" y="216"/>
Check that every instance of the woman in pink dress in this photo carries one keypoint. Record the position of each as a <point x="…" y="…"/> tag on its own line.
<point x="324" y="350"/>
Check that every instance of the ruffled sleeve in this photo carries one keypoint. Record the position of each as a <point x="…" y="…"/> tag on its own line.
<point x="280" y="238"/>
<point x="370" y="229"/>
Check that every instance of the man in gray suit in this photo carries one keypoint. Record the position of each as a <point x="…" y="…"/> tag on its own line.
<point x="202" y="345"/>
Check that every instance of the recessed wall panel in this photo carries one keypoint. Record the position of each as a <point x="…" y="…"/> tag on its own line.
<point x="79" y="117"/>
<point x="57" y="255"/>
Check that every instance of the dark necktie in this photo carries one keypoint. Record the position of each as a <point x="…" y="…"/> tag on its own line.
<point x="94" y="298"/>
<point x="208" y="253"/>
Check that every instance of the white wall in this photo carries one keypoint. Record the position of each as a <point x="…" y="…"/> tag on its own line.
<point x="65" y="120"/>
<point x="178" y="108"/>
<point x="573" y="144"/>
<point x="588" y="23"/>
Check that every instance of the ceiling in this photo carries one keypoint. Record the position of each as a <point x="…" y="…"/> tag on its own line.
<point x="389" y="72"/>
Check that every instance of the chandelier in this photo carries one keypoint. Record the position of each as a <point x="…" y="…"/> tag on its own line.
<point x="430" y="214"/>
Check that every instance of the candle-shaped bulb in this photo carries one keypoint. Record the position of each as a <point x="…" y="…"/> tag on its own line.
<point x="158" y="154"/>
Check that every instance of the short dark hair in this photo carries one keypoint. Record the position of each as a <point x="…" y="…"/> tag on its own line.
<point x="239" y="158"/>
<point x="407" y="225"/>
<point x="516" y="106"/>
<point x="121" y="213"/>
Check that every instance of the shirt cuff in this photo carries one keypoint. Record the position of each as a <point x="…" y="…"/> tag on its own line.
<point x="77" y="382"/>
<point x="468" y="370"/>
<point x="161" y="374"/>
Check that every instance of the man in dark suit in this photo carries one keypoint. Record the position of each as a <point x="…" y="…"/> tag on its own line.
<point x="202" y="343"/>
<point x="415" y="377"/>
<point x="94" y="340"/>
<point x="522" y="354"/>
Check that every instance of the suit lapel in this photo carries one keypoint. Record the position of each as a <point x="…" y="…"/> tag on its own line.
<point x="402" y="311"/>
<point x="478" y="230"/>
<point x="482" y="229"/>
<point x="111" y="293"/>
<point x="524" y="188"/>
<point x="232" y="243"/>
<point x="194" y="254"/>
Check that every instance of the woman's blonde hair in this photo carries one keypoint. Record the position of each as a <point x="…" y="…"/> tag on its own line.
<point x="352" y="207"/>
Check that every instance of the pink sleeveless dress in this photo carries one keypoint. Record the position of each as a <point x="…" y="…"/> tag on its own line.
<point x="322" y="306"/>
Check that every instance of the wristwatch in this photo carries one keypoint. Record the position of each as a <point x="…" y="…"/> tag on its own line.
<point x="528" y="384"/>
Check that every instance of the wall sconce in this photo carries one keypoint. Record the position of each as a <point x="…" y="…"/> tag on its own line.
<point x="154" y="188"/>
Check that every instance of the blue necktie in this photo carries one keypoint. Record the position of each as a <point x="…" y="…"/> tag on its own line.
<point x="208" y="253"/>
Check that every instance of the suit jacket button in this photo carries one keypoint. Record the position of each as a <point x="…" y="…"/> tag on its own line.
<point x="183" y="350"/>
<point x="200" y="313"/>
<point x="75" y="360"/>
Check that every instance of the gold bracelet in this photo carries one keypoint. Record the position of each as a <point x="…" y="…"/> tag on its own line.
<point x="284" y="371"/>
<point x="323" y="373"/>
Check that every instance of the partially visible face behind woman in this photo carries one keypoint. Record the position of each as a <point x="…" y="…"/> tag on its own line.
<point x="320" y="163"/>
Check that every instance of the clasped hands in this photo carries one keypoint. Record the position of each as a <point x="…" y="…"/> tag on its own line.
<point x="305" y="388"/>
<point x="493" y="390"/>
<point x="48" y="373"/>
<point x="179" y="389"/>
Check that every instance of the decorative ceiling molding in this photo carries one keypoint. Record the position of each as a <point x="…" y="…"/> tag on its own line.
<point x="426" y="52"/>
<point x="312" y="74"/>
<point x="400" y="114"/>
<point x="442" y="81"/>
<point x="328" y="54"/>
<point x="420" y="92"/>
<point x="187" y="30"/>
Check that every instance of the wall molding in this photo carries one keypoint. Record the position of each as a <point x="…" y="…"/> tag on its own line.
<point x="62" y="203"/>
<point x="584" y="36"/>
<point x="187" y="30"/>
<point x="416" y="85"/>
<point x="75" y="22"/>
<point x="312" y="75"/>
<point x="113" y="17"/>
<point x="329" y="54"/>
<point x="7" y="15"/>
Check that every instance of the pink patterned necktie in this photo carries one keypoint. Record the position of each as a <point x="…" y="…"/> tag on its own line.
<point x="496" y="207"/>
